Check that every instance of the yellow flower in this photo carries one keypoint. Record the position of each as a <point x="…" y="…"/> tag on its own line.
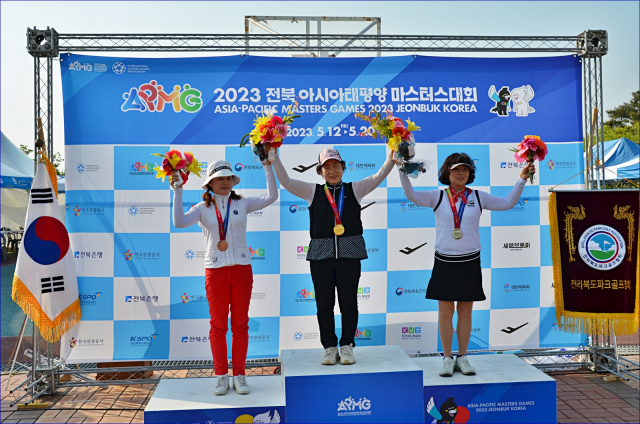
<point x="160" y="172"/>
<point x="394" y="142"/>
<point x="411" y="126"/>
<point x="173" y="161"/>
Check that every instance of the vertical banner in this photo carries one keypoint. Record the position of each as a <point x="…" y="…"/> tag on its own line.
<point x="141" y="279"/>
<point x="595" y="260"/>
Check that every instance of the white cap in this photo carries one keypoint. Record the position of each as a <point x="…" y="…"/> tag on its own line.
<point x="220" y="168"/>
<point x="461" y="163"/>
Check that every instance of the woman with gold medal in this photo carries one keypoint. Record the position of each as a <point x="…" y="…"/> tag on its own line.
<point x="456" y="279"/>
<point x="228" y="276"/>
<point x="336" y="247"/>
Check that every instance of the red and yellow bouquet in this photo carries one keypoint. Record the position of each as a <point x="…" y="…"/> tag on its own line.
<point x="173" y="160"/>
<point x="529" y="150"/>
<point x="390" y="129"/>
<point x="268" y="133"/>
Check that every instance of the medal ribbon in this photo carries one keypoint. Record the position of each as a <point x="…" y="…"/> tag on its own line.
<point x="457" y="214"/>
<point x="337" y="210"/>
<point x="222" y="226"/>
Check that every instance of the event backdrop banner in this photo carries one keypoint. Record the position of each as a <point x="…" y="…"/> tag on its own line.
<point x="142" y="280"/>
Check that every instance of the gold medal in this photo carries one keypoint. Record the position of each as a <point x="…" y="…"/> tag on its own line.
<point x="338" y="230"/>
<point x="457" y="233"/>
<point x="223" y="245"/>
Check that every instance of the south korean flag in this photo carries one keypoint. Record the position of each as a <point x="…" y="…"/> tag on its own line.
<point x="45" y="283"/>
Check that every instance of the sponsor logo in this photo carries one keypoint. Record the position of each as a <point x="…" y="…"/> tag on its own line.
<point x="305" y="295"/>
<point x="239" y="167"/>
<point x="89" y="299"/>
<point x="87" y="211"/>
<point x="562" y="164"/>
<point x="302" y="168"/>
<point x="602" y="247"/>
<point x="551" y="164"/>
<point x="364" y="293"/>
<point x="246" y="167"/>
<point x="189" y="254"/>
<point x="136" y="210"/>
<point x="350" y="407"/>
<point x="136" y="299"/>
<point x="133" y="210"/>
<point x="301" y="252"/>
<point x="354" y="166"/>
<point x="129" y="255"/>
<point x="77" y="66"/>
<point x="119" y="68"/>
<point x="87" y="255"/>
<point x="143" y="340"/>
<point x="257" y="254"/>
<point x="76" y="210"/>
<point x="81" y="168"/>
<point x="298" y="336"/>
<point x="73" y="342"/>
<point x="185" y="298"/>
<point x="510" y="330"/>
<point x="520" y="204"/>
<point x="516" y="246"/>
<point x="408" y="250"/>
<point x="194" y="339"/>
<point x="411" y="333"/>
<point x="399" y="291"/>
<point x="363" y="334"/>
<point x="151" y="97"/>
<point x="408" y="206"/>
<point x="296" y="208"/>
<point x="515" y="100"/>
<point x="511" y="165"/>
<point x="516" y="288"/>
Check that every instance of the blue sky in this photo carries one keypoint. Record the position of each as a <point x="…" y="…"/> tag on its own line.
<point x="620" y="19"/>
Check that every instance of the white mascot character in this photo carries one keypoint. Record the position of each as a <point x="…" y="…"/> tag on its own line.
<point x="520" y="98"/>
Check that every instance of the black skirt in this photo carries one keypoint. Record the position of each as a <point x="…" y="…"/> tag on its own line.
<point x="456" y="278"/>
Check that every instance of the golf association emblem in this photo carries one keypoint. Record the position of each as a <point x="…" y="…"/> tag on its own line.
<point x="601" y="247"/>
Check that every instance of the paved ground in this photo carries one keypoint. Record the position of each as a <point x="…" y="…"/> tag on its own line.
<point x="582" y="398"/>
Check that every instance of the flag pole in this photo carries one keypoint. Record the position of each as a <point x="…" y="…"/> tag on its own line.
<point x="16" y="349"/>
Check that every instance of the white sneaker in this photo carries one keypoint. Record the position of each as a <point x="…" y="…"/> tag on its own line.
<point x="346" y="355"/>
<point x="331" y="356"/>
<point x="241" y="385"/>
<point x="222" y="385"/>
<point x="462" y="365"/>
<point x="447" y="367"/>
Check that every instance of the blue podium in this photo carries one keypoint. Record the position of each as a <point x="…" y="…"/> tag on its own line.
<point x="505" y="390"/>
<point x="383" y="386"/>
<point x="191" y="400"/>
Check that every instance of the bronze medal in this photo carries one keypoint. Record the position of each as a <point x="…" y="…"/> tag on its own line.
<point x="223" y="245"/>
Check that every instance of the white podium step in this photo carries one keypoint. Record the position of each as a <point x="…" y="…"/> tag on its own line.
<point x="383" y="386"/>
<point x="191" y="400"/>
<point x="505" y="389"/>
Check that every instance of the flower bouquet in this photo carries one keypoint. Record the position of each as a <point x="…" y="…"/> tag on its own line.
<point x="267" y="135"/>
<point x="530" y="149"/>
<point x="398" y="136"/>
<point x="175" y="161"/>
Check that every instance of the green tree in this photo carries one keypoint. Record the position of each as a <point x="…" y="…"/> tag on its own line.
<point x="625" y="114"/>
<point x="626" y="131"/>
<point x="56" y="160"/>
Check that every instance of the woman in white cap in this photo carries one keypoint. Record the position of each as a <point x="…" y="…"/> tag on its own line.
<point x="336" y="247"/>
<point x="456" y="279"/>
<point x="228" y="276"/>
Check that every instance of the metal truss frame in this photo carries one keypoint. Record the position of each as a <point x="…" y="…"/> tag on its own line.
<point x="47" y="375"/>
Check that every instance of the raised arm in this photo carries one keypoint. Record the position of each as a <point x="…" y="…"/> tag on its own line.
<point x="495" y="203"/>
<point x="367" y="185"/>
<point x="181" y="219"/>
<point x="422" y="198"/>
<point x="298" y="188"/>
<point x="259" y="202"/>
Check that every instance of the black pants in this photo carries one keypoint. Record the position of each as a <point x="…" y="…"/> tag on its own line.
<point x="345" y="275"/>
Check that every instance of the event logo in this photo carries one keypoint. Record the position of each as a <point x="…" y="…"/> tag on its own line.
<point x="257" y="254"/>
<point x="602" y="247"/>
<point x="297" y="336"/>
<point x="152" y="97"/>
<point x="351" y="407"/>
<point x="399" y="291"/>
<point x="80" y="168"/>
<point x="449" y="412"/>
<point x="189" y="254"/>
<point x="411" y="332"/>
<point x="265" y="417"/>
<point x="510" y="330"/>
<point x="46" y="240"/>
<point x="128" y="255"/>
<point x="516" y="100"/>
<point x="364" y="334"/>
<point x="305" y="295"/>
<point x="77" y="66"/>
<point x="408" y="250"/>
<point x="140" y="168"/>
<point x="133" y="210"/>
<point x="119" y="68"/>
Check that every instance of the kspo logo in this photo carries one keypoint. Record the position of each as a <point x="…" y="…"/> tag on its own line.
<point x="151" y="97"/>
<point x="142" y="340"/>
<point x="602" y="247"/>
<point x="89" y="299"/>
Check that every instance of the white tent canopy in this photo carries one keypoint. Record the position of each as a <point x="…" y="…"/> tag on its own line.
<point x="17" y="168"/>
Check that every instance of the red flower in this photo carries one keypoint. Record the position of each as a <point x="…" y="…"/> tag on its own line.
<point x="276" y="120"/>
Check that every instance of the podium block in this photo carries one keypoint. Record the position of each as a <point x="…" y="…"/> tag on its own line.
<point x="191" y="400"/>
<point x="505" y="390"/>
<point x="383" y="386"/>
